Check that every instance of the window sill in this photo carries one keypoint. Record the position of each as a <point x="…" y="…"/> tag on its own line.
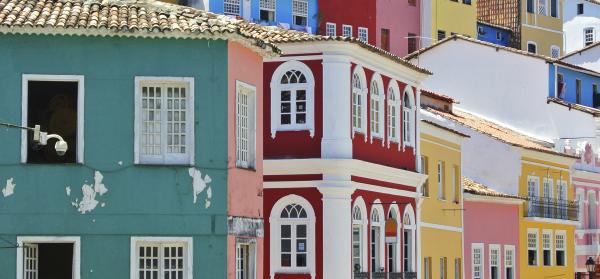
<point x="251" y="169"/>
<point x="147" y="164"/>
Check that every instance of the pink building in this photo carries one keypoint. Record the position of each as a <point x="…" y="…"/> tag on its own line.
<point x="586" y="182"/>
<point x="491" y="232"/>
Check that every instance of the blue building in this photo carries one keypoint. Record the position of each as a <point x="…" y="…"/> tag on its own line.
<point x="574" y="84"/>
<point x="298" y="15"/>
<point x="493" y="33"/>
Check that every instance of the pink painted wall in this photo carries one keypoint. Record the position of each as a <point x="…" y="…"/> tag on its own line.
<point x="244" y="187"/>
<point x="586" y="239"/>
<point x="490" y="223"/>
<point x="401" y="19"/>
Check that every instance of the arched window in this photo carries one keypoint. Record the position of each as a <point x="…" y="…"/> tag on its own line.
<point x="292" y="102"/>
<point x="392" y="234"/>
<point x="292" y="237"/>
<point x="376" y="240"/>
<point x="408" y="237"/>
<point x="393" y="113"/>
<point x="360" y="245"/>
<point x="376" y="107"/>
<point x="358" y="100"/>
<point x="407" y="119"/>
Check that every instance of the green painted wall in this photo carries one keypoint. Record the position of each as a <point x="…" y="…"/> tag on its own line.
<point x="141" y="200"/>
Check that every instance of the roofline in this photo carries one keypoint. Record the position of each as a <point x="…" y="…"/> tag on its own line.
<point x="579" y="51"/>
<point x="592" y="111"/>
<point x="445" y="128"/>
<point x="438" y="96"/>
<point x="494" y="25"/>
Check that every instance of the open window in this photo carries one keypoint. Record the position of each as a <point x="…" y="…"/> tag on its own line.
<point x="245" y="259"/>
<point x="56" y="104"/>
<point x="48" y="257"/>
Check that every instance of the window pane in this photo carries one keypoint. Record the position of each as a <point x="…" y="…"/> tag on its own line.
<point x="286" y="245"/>
<point x="286" y="119"/>
<point x="286" y="231"/>
<point x="301" y="260"/>
<point x="301" y="95"/>
<point x="286" y="107"/>
<point x="286" y="95"/>
<point x="301" y="118"/>
<point x="301" y="245"/>
<point x="286" y="260"/>
<point x="301" y="231"/>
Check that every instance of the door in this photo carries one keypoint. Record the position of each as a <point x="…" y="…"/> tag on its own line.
<point x="246" y="9"/>
<point x="391" y="257"/>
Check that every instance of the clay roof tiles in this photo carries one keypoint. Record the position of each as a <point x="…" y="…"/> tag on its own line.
<point x="476" y="188"/>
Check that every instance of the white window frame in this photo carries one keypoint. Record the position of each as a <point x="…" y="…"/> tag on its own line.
<point x="232" y="3"/>
<point x="554" y="48"/>
<point x="275" y="223"/>
<point x="532" y="43"/>
<point x="75" y="240"/>
<point x="251" y="243"/>
<point x="510" y="248"/>
<point x="183" y="159"/>
<point x="363" y="34"/>
<point x="330" y="29"/>
<point x="364" y="228"/>
<point x="380" y="244"/>
<point x="547" y="233"/>
<point x="537" y="246"/>
<point x="277" y="87"/>
<point x="25" y="78"/>
<point x="346" y="27"/>
<point x="481" y="260"/>
<point x="441" y="181"/>
<point x="362" y="95"/>
<point x="536" y="180"/>
<point x="263" y="6"/>
<point x="443" y="268"/>
<point x="592" y="35"/>
<point x="408" y="125"/>
<point x="408" y="223"/>
<point x="541" y="4"/>
<point x="300" y="13"/>
<point x="251" y="156"/>
<point x="495" y="247"/>
<point x="427" y="268"/>
<point x="380" y="99"/>
<point x="188" y="243"/>
<point x="564" y="248"/>
<point x="395" y="103"/>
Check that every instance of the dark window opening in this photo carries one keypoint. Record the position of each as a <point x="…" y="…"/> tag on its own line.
<point x="300" y="20"/>
<point x="480" y="30"/>
<point x="530" y="6"/>
<point x="266" y="15"/>
<point x="579" y="9"/>
<point x="467" y="2"/>
<point x="553" y="8"/>
<point x="412" y="2"/>
<point x="578" y="91"/>
<point x="53" y="106"/>
<point x="494" y="272"/>
<point x="412" y="42"/>
<point x="441" y="34"/>
<point x="48" y="260"/>
<point x="531" y="257"/>
<point x="547" y="258"/>
<point x="560" y="258"/>
<point x="509" y="273"/>
<point x="531" y="48"/>
<point x="385" y="39"/>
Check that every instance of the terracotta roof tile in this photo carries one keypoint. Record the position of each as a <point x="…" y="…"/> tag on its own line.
<point x="498" y="132"/>
<point x="475" y="188"/>
<point x="438" y="96"/>
<point x="582" y="108"/>
<point x="445" y="128"/>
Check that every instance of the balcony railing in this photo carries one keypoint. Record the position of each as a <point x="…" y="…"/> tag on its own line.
<point x="385" y="275"/>
<point x="553" y="209"/>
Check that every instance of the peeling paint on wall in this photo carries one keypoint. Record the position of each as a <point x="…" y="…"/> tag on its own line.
<point x="9" y="189"/>
<point x="88" y="201"/>
<point x="68" y="190"/>
<point x="199" y="184"/>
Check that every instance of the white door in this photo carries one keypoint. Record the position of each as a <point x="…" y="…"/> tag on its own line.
<point x="246" y="9"/>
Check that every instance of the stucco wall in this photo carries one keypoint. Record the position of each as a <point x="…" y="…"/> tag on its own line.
<point x="573" y="24"/>
<point x="589" y="59"/>
<point x="400" y="18"/>
<point x="141" y="200"/>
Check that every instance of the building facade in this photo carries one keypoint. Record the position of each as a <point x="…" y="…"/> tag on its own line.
<point x="575" y="85"/>
<point x="494" y="34"/>
<point x="146" y="188"/>
<point x="441" y="19"/>
<point x="580" y="24"/>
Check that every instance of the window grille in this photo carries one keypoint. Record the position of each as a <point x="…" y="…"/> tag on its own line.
<point x="231" y="7"/>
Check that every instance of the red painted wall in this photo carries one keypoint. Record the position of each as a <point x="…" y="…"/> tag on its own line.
<point x="293" y="144"/>
<point x="312" y="195"/>
<point x="358" y="13"/>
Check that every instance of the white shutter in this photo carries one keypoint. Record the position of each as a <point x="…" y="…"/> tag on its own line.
<point x="30" y="261"/>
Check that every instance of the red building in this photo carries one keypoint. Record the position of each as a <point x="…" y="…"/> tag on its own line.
<point x="393" y="25"/>
<point x="340" y="146"/>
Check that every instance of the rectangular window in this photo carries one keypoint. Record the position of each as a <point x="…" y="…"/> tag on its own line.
<point x="530" y="6"/>
<point x="595" y="89"/>
<point x="375" y="264"/>
<point x="245" y="125"/>
<point x="56" y="104"/>
<point x="548" y="197"/>
<point x="477" y="260"/>
<point x="425" y="170"/>
<point x="300" y="12"/>
<point x="561" y="240"/>
<point x="363" y="34"/>
<point x="48" y="257"/>
<point x="457" y="268"/>
<point x="560" y="85"/>
<point x="245" y="263"/>
<point x="467" y="2"/>
<point x="158" y="258"/>
<point x="441" y="34"/>
<point x="542" y="7"/>
<point x="588" y="36"/>
<point x="579" y="9"/>
<point x="531" y="47"/>
<point x="330" y="29"/>
<point x="412" y="3"/>
<point x="385" y="39"/>
<point x="267" y="10"/>
<point x="578" y="91"/>
<point x="231" y="7"/>
<point x="554" y="51"/>
<point x="412" y="42"/>
<point x="532" y="247"/>
<point x="456" y="181"/>
<point x="498" y="35"/>
<point x="347" y="30"/>
<point x="441" y="180"/>
<point x="547" y="248"/>
<point x="494" y="262"/>
<point x="164" y="120"/>
<point x="293" y="245"/>
<point x="509" y="256"/>
<point x="427" y="268"/>
<point x="356" y="248"/>
<point x="443" y="268"/>
<point x="554" y="8"/>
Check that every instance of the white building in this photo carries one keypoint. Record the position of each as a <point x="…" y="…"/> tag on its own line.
<point x="588" y="57"/>
<point x="581" y="24"/>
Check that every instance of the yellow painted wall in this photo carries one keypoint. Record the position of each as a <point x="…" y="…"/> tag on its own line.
<point x="438" y="243"/>
<point x="544" y="30"/>
<point x="543" y="167"/>
<point x="454" y="16"/>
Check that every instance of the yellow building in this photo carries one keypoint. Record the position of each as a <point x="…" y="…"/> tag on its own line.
<point x="536" y="24"/>
<point x="548" y="219"/>
<point x="440" y="206"/>
<point x="443" y="18"/>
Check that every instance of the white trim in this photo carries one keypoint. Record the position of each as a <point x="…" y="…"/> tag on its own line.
<point x="551" y="221"/>
<point x="543" y="28"/>
<point x="376" y="79"/>
<point x="411" y="120"/>
<point x="276" y="87"/>
<point x="397" y="103"/>
<point x="25" y="78"/>
<point x="532" y="43"/>
<point x="319" y="183"/>
<point x="366" y="30"/>
<point x="381" y="259"/>
<point x="514" y="262"/>
<point x="482" y="260"/>
<point x="252" y="132"/>
<point x="565" y="249"/>
<point x="133" y="255"/>
<point x="364" y="238"/>
<point x="327" y="26"/>
<point x="537" y="246"/>
<point x="190" y="143"/>
<point x="499" y="260"/>
<point x="441" y="227"/>
<point x="552" y="241"/>
<point x="362" y="94"/>
<point x="347" y="25"/>
<point x="252" y="252"/>
<point x="75" y="240"/>
<point x="491" y="199"/>
<point x="290" y="58"/>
